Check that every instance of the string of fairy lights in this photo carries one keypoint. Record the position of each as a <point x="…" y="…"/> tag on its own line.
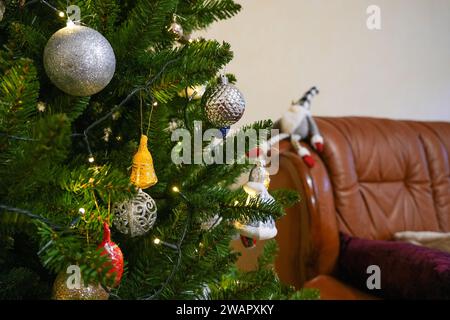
<point x="176" y="247"/>
<point x="85" y="135"/>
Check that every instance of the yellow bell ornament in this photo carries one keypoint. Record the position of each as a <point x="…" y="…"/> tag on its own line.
<point x="143" y="172"/>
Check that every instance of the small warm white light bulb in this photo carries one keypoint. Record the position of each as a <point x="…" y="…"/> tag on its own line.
<point x="82" y="211"/>
<point x="91" y="159"/>
<point x="156" y="241"/>
<point x="236" y="203"/>
<point x="175" y="189"/>
<point x="61" y="14"/>
<point x="155" y="104"/>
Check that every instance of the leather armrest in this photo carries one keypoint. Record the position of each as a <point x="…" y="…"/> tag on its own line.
<point x="307" y="235"/>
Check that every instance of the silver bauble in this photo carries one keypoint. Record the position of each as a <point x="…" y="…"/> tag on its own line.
<point x="224" y="104"/>
<point x="79" y="60"/>
<point x="136" y="216"/>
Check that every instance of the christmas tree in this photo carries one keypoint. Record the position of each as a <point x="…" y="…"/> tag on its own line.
<point x="85" y="89"/>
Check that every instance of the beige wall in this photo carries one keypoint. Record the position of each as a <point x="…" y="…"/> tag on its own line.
<point x="283" y="47"/>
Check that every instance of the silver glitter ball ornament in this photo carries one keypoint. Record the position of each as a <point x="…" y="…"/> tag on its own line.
<point x="136" y="216"/>
<point x="79" y="60"/>
<point x="224" y="104"/>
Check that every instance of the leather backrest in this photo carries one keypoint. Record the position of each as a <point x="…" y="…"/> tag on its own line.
<point x="387" y="175"/>
<point x="435" y="138"/>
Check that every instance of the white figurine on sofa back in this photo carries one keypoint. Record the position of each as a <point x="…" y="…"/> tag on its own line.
<point x="298" y="124"/>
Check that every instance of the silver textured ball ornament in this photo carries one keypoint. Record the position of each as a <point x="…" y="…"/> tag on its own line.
<point x="79" y="60"/>
<point x="224" y="104"/>
<point x="136" y="216"/>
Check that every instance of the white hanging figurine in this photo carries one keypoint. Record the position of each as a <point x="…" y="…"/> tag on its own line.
<point x="256" y="188"/>
<point x="298" y="123"/>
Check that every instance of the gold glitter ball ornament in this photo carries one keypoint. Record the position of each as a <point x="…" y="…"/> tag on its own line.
<point x="79" y="60"/>
<point x="64" y="289"/>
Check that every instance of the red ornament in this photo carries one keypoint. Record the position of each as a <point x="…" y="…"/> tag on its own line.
<point x="115" y="254"/>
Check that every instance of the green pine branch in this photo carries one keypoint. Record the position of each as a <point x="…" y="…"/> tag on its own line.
<point x="46" y="179"/>
<point x="142" y="28"/>
<point x="204" y="12"/>
<point x="19" y="90"/>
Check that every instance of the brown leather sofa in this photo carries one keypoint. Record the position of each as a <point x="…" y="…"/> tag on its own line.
<point x="374" y="178"/>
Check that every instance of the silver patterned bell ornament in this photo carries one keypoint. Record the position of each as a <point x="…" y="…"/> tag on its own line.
<point x="224" y="104"/>
<point x="135" y="216"/>
<point x="79" y="60"/>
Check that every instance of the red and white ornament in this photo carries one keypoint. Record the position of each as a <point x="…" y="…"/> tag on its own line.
<point x="112" y="250"/>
